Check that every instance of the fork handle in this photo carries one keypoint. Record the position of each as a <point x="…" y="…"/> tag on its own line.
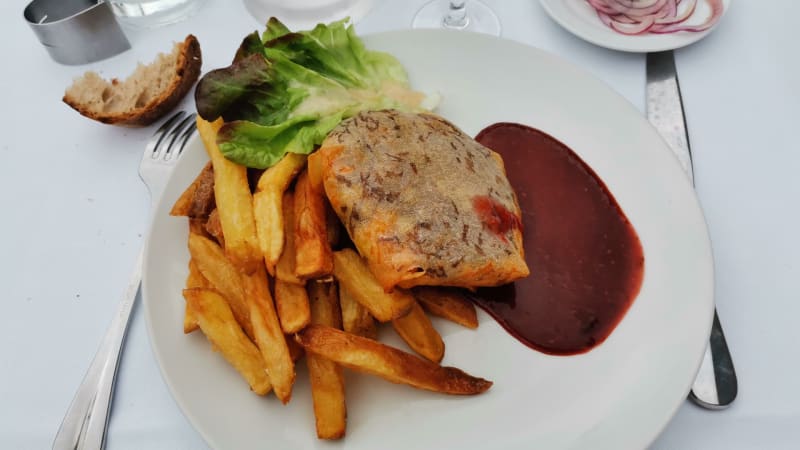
<point x="84" y="425"/>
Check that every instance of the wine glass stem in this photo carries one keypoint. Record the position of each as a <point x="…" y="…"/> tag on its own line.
<point x="456" y="15"/>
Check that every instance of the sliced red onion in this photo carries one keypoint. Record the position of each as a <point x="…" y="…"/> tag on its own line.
<point x="671" y="10"/>
<point x="633" y="17"/>
<point x="622" y="18"/>
<point x="674" y="18"/>
<point x="645" y="24"/>
<point x="600" y="6"/>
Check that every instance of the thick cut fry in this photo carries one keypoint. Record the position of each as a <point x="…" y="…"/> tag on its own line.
<point x="189" y="320"/>
<point x="198" y="199"/>
<point x="315" y="166"/>
<point x="324" y="303"/>
<point x="269" y="225"/>
<point x="195" y="279"/>
<point x="268" y="335"/>
<point x="183" y="204"/>
<point x="223" y="276"/>
<point x="291" y="301"/>
<point x="214" y="228"/>
<point x="327" y="379"/>
<point x="234" y="202"/>
<point x="268" y="209"/>
<point x="313" y="256"/>
<point x="366" y="355"/>
<point x="417" y="330"/>
<point x="203" y="200"/>
<point x="284" y="271"/>
<point x="449" y="304"/>
<point x="295" y="349"/>
<point x="218" y="324"/>
<point x="198" y="226"/>
<point x="333" y="227"/>
<point x="354" y="275"/>
<point x="355" y="318"/>
<point x="281" y="174"/>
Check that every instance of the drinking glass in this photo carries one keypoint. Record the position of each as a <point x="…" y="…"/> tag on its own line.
<point x="153" y="13"/>
<point x="469" y="15"/>
<point x="305" y="14"/>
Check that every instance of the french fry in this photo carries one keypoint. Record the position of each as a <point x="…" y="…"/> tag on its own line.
<point x="333" y="227"/>
<point x="313" y="256"/>
<point x="214" y="228"/>
<point x="324" y="303"/>
<point x="417" y="330"/>
<point x="295" y="349"/>
<point x="218" y="324"/>
<point x="280" y="175"/>
<point x="203" y="200"/>
<point x="291" y="301"/>
<point x="355" y="318"/>
<point x="267" y="202"/>
<point x="327" y="379"/>
<point x="189" y="321"/>
<point x="353" y="274"/>
<point x="198" y="226"/>
<point x="268" y="335"/>
<point x="369" y="356"/>
<point x="225" y="278"/>
<point x="183" y="204"/>
<point x="448" y="304"/>
<point x="284" y="270"/>
<point x="269" y="226"/>
<point x="234" y="202"/>
<point x="315" y="167"/>
<point x="198" y="199"/>
<point x="195" y="279"/>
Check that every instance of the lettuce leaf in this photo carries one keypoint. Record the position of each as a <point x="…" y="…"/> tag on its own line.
<point x="285" y="91"/>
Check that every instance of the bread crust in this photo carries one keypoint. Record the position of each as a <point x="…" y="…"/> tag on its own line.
<point x="186" y="74"/>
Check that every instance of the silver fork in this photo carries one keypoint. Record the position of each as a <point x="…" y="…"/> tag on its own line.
<point x="85" y="423"/>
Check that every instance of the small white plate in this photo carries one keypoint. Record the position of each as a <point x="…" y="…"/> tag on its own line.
<point x="618" y="396"/>
<point x="580" y="19"/>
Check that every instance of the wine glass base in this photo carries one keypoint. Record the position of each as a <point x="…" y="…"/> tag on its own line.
<point x="480" y="18"/>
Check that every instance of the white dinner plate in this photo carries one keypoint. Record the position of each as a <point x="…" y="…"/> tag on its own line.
<point x="581" y="20"/>
<point x="618" y="396"/>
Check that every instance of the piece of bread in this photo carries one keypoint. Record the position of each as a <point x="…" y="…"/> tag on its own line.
<point x="146" y="95"/>
<point x="424" y="203"/>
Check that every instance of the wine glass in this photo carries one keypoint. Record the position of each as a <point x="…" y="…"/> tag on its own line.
<point x="469" y="15"/>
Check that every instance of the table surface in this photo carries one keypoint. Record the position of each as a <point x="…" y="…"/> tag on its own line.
<point x="76" y="214"/>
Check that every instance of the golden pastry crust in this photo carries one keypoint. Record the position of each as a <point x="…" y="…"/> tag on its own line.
<point x="408" y="188"/>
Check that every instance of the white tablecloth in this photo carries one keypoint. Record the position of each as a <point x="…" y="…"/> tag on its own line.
<point x="75" y="212"/>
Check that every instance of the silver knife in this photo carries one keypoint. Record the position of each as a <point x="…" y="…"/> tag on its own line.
<point x="715" y="386"/>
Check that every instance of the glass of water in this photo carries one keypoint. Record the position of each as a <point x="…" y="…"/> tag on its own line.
<point x="153" y="13"/>
<point x="305" y="14"/>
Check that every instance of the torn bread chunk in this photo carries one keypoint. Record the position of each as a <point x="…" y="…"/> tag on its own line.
<point x="146" y="95"/>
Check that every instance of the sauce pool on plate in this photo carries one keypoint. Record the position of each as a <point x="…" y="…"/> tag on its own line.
<point x="585" y="257"/>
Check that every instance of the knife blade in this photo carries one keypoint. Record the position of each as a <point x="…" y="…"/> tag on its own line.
<point x="715" y="386"/>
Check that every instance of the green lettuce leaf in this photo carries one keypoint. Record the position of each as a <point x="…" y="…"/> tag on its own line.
<point x="285" y="91"/>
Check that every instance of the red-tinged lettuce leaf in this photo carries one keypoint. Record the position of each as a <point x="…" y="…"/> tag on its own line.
<point x="286" y="91"/>
<point x="251" y="45"/>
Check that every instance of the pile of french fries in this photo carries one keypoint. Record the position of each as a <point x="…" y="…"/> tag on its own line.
<point x="266" y="288"/>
